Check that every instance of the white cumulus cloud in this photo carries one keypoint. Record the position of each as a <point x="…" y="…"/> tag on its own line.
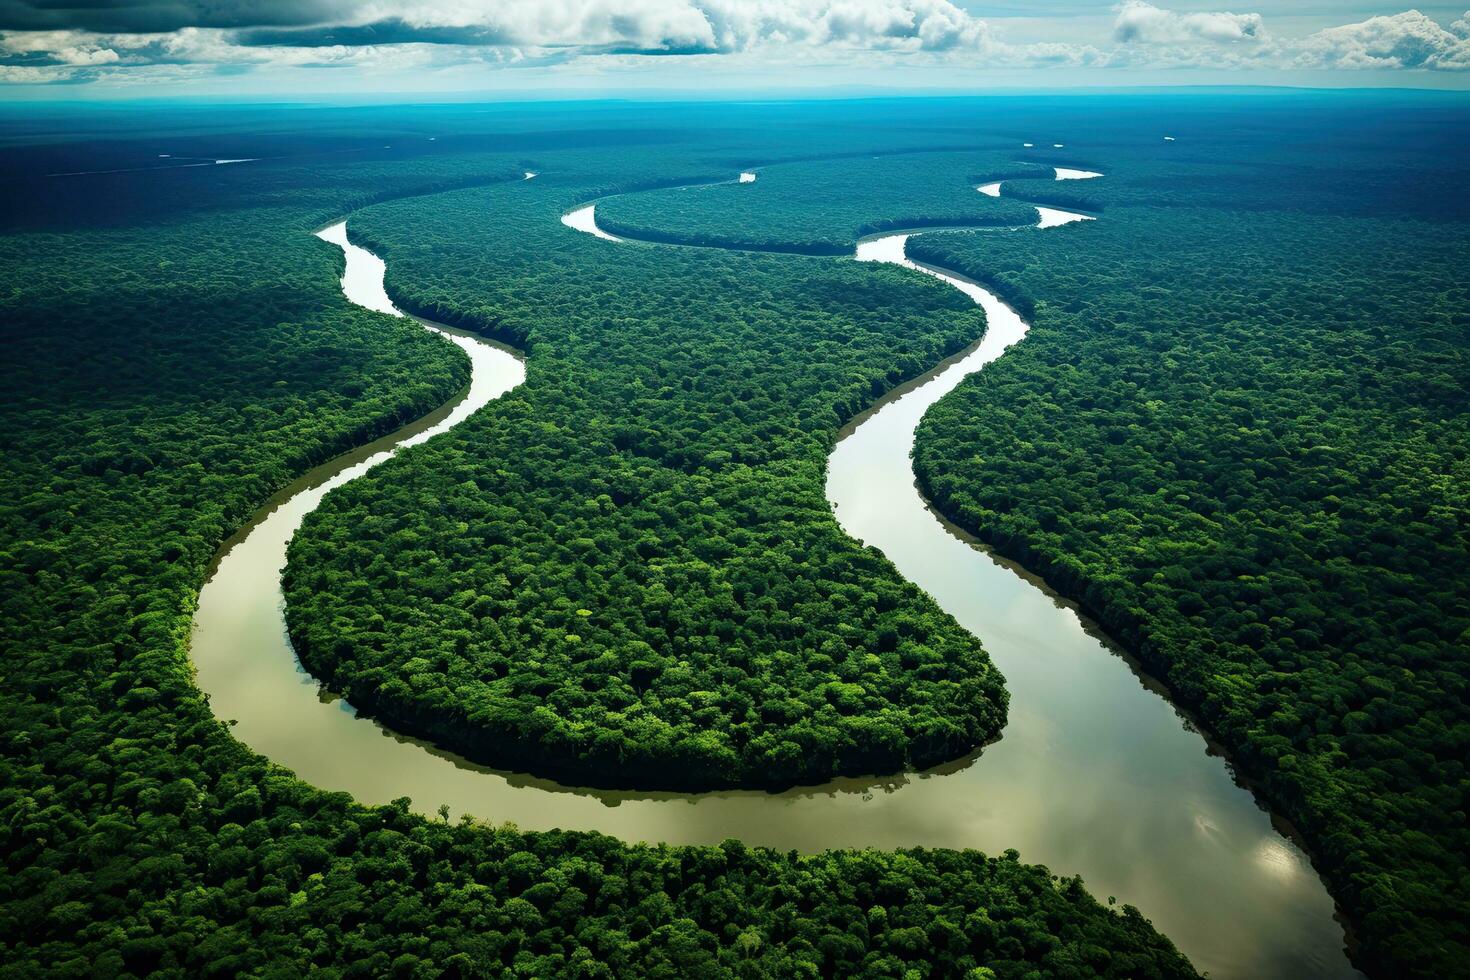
<point x="1406" y="40"/>
<point x="679" y="26"/>
<point x="1139" y="21"/>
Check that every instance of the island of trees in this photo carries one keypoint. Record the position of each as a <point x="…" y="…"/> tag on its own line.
<point x="646" y="513"/>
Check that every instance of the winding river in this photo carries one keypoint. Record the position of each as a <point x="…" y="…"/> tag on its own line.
<point x="1096" y="773"/>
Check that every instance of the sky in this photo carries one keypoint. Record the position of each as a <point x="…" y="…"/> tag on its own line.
<point x="111" y="49"/>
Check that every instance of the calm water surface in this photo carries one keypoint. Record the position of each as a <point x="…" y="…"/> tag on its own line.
<point x="1096" y="774"/>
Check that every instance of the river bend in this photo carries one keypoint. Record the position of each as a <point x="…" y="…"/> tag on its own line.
<point x="1096" y="774"/>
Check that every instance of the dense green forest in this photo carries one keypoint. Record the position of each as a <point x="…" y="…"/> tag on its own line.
<point x="822" y="207"/>
<point x="1238" y="437"/>
<point x="1238" y="434"/>
<point x="177" y="348"/>
<point x="646" y="513"/>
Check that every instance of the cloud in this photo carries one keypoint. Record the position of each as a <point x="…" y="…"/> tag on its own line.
<point x="50" y="48"/>
<point x="522" y="32"/>
<point x="29" y="75"/>
<point x="658" y="26"/>
<point x="392" y="31"/>
<point x="1140" y="22"/>
<point x="1406" y="40"/>
<point x="81" y="40"/>
<point x="160" y="16"/>
<point x="78" y="55"/>
<point x="654" y="25"/>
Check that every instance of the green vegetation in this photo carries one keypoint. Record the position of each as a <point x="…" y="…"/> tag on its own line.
<point x="1240" y="439"/>
<point x="287" y="880"/>
<point x="646" y="514"/>
<point x="176" y="349"/>
<point x="1237" y="433"/>
<point x="823" y="207"/>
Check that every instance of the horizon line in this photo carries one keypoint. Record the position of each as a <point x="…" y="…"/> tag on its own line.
<point x="851" y="93"/>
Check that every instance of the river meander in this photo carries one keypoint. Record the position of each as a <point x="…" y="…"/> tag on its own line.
<point x="1096" y="773"/>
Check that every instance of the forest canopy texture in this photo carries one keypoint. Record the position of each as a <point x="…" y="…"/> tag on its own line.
<point x="177" y="349"/>
<point x="646" y="513"/>
<point x="1237" y="437"/>
<point x="1238" y="434"/>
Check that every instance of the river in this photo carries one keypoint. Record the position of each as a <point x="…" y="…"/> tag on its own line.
<point x="1096" y="774"/>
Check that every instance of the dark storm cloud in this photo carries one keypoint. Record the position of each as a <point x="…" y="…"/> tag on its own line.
<point x="155" y="16"/>
<point x="381" y="32"/>
<point x="399" y="32"/>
